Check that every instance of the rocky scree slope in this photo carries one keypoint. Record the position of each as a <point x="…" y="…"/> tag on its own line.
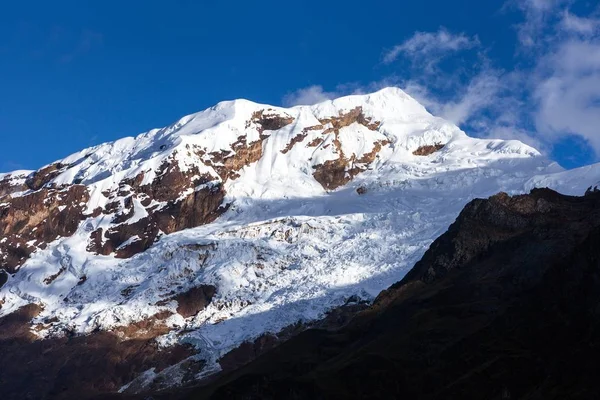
<point x="236" y="222"/>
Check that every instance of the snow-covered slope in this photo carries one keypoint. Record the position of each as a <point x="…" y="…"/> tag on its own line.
<point x="286" y="212"/>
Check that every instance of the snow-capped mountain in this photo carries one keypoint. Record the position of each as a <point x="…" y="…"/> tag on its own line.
<point x="246" y="218"/>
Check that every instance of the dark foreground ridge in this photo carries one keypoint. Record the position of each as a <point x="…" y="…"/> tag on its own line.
<point x="505" y="305"/>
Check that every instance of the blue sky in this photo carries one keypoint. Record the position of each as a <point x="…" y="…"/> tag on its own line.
<point x="78" y="73"/>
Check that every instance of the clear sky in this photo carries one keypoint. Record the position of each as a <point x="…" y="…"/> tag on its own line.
<point x="77" y="73"/>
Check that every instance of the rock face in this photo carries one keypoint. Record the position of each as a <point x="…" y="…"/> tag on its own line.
<point x="73" y="367"/>
<point x="338" y="172"/>
<point x="12" y="183"/>
<point x="193" y="301"/>
<point x="178" y="211"/>
<point x="428" y="149"/>
<point x="33" y="220"/>
<point x="503" y="305"/>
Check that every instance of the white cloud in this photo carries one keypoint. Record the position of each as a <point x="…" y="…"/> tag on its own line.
<point x="308" y="96"/>
<point x="537" y="14"/>
<point x="480" y="93"/>
<point x="430" y="47"/>
<point x="568" y="92"/>
<point x="565" y="83"/>
<point x="581" y="25"/>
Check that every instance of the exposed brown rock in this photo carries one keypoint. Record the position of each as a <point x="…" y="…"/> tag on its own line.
<point x="202" y="206"/>
<point x="269" y="121"/>
<point x="333" y="174"/>
<point x="227" y="163"/>
<point x="40" y="216"/>
<point x="245" y="154"/>
<point x="40" y="178"/>
<point x="53" y="277"/>
<point x="193" y="301"/>
<point x="10" y="184"/>
<point x="16" y="325"/>
<point x="369" y="157"/>
<point x="296" y="139"/>
<point x="301" y="136"/>
<point x="343" y="120"/>
<point x="315" y="142"/>
<point x="428" y="149"/>
<point x="77" y="367"/>
<point x="146" y="329"/>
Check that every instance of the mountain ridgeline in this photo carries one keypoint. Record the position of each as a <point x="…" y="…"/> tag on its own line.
<point x="208" y="251"/>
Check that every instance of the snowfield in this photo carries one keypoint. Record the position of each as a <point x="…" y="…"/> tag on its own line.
<point x="286" y="250"/>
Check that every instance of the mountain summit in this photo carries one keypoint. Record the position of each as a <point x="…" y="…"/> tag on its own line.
<point x="240" y="221"/>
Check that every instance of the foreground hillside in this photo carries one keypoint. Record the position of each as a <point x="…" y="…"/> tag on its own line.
<point x="160" y="260"/>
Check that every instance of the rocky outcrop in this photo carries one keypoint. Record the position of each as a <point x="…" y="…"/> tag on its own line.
<point x="335" y="173"/>
<point x="428" y="149"/>
<point x="31" y="221"/>
<point x="42" y="177"/>
<point x="192" y="301"/>
<point x="229" y="163"/>
<point x="356" y="115"/>
<point x="296" y="139"/>
<point x="269" y="120"/>
<point x="10" y="184"/>
<point x="74" y="367"/>
<point x="503" y="305"/>
<point x="146" y="329"/>
<point x="174" y="200"/>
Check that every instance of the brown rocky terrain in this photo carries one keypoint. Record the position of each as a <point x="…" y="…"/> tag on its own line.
<point x="173" y="201"/>
<point x="338" y="172"/>
<point x="503" y="305"/>
<point x="11" y="184"/>
<point x="194" y="300"/>
<point x="195" y="209"/>
<point x="78" y="366"/>
<point x="46" y="212"/>
<point x="428" y="149"/>
<point x="31" y="221"/>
